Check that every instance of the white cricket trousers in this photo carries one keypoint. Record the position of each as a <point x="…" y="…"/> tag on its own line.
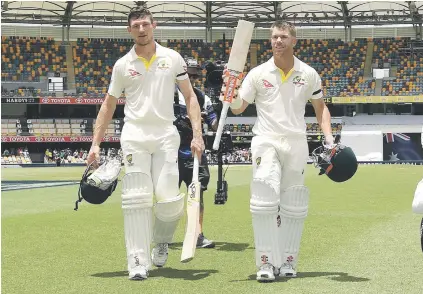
<point x="282" y="160"/>
<point x="153" y="150"/>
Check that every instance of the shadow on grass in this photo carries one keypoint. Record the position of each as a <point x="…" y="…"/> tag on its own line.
<point x="335" y="276"/>
<point x="224" y="246"/>
<point x="170" y="273"/>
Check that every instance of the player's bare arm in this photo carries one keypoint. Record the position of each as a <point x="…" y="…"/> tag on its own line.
<point x="240" y="110"/>
<point x="104" y="117"/>
<point x="194" y="113"/>
<point x="323" y="118"/>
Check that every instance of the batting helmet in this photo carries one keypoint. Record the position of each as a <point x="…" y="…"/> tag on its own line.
<point x="338" y="162"/>
<point x="91" y="192"/>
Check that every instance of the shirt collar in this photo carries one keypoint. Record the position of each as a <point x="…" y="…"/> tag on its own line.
<point x="159" y="52"/>
<point x="273" y="67"/>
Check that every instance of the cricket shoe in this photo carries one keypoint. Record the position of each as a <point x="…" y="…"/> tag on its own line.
<point x="203" y="242"/>
<point x="138" y="273"/>
<point x="287" y="271"/>
<point x="266" y="273"/>
<point x="159" y="254"/>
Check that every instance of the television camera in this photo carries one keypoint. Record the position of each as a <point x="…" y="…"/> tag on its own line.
<point x="213" y="87"/>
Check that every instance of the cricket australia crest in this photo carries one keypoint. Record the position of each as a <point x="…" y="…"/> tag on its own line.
<point x="129" y="159"/>
<point x="258" y="161"/>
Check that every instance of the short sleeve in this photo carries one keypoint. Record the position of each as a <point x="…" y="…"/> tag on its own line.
<point x="316" y="86"/>
<point x="181" y="68"/>
<point x="248" y="89"/>
<point x="116" y="82"/>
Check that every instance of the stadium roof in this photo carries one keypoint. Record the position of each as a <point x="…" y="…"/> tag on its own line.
<point x="215" y="13"/>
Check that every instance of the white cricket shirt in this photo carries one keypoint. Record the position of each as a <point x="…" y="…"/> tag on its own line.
<point x="280" y="100"/>
<point x="149" y="85"/>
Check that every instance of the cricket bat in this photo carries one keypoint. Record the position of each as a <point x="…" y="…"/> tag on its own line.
<point x="235" y="67"/>
<point x="193" y="216"/>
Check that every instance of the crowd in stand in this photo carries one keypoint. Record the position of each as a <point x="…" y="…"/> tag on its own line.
<point x="68" y="155"/>
<point x="64" y="156"/>
<point x="21" y="151"/>
<point x="237" y="155"/>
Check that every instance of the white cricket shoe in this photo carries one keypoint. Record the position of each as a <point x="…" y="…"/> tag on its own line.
<point x="159" y="254"/>
<point x="287" y="271"/>
<point x="138" y="273"/>
<point x="266" y="273"/>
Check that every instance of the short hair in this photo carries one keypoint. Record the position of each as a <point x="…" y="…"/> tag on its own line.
<point x="139" y="12"/>
<point x="283" y="25"/>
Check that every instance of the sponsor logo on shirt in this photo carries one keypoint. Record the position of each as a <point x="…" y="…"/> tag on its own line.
<point x="267" y="84"/>
<point x="134" y="73"/>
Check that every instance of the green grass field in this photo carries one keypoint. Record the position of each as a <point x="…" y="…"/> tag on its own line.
<point x="360" y="237"/>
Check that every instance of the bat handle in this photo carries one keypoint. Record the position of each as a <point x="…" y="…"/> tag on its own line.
<point x="195" y="171"/>
<point x="222" y="120"/>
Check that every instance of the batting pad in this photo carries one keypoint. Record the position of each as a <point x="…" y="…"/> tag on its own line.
<point x="264" y="209"/>
<point x="418" y="199"/>
<point x="168" y="214"/>
<point x="137" y="206"/>
<point x="293" y="211"/>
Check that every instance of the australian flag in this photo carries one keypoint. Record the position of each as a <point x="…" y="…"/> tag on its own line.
<point x="399" y="146"/>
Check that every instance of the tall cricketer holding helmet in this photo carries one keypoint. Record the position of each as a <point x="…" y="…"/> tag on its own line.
<point x="149" y="141"/>
<point x="279" y="200"/>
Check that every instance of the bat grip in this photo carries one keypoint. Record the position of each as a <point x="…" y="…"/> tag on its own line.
<point x="195" y="171"/>
<point x="222" y="120"/>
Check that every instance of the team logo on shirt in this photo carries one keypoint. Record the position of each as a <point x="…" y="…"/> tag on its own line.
<point x="258" y="161"/>
<point x="267" y="84"/>
<point x="163" y="64"/>
<point x="298" y="81"/>
<point x="129" y="159"/>
<point x="134" y="73"/>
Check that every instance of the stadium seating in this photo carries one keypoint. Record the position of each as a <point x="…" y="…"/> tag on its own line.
<point x="16" y="159"/>
<point x="77" y="127"/>
<point x="93" y="62"/>
<point x="409" y="75"/>
<point x="340" y="64"/>
<point x="114" y="128"/>
<point x="238" y="128"/>
<point x="27" y="59"/>
<point x="9" y="127"/>
<point x="385" y="50"/>
<point x="314" y="129"/>
<point x="59" y="127"/>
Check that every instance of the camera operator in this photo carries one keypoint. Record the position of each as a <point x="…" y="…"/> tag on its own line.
<point x="185" y="158"/>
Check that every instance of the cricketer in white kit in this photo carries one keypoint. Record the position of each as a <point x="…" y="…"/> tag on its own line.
<point x="150" y="142"/>
<point x="279" y="201"/>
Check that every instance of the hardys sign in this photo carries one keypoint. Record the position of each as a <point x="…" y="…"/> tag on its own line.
<point x="58" y="139"/>
<point x="20" y="100"/>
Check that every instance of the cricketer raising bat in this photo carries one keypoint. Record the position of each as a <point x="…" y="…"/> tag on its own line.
<point x="193" y="216"/>
<point x="235" y="69"/>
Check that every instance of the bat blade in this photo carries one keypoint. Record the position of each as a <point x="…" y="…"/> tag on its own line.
<point x="193" y="217"/>
<point x="235" y="68"/>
